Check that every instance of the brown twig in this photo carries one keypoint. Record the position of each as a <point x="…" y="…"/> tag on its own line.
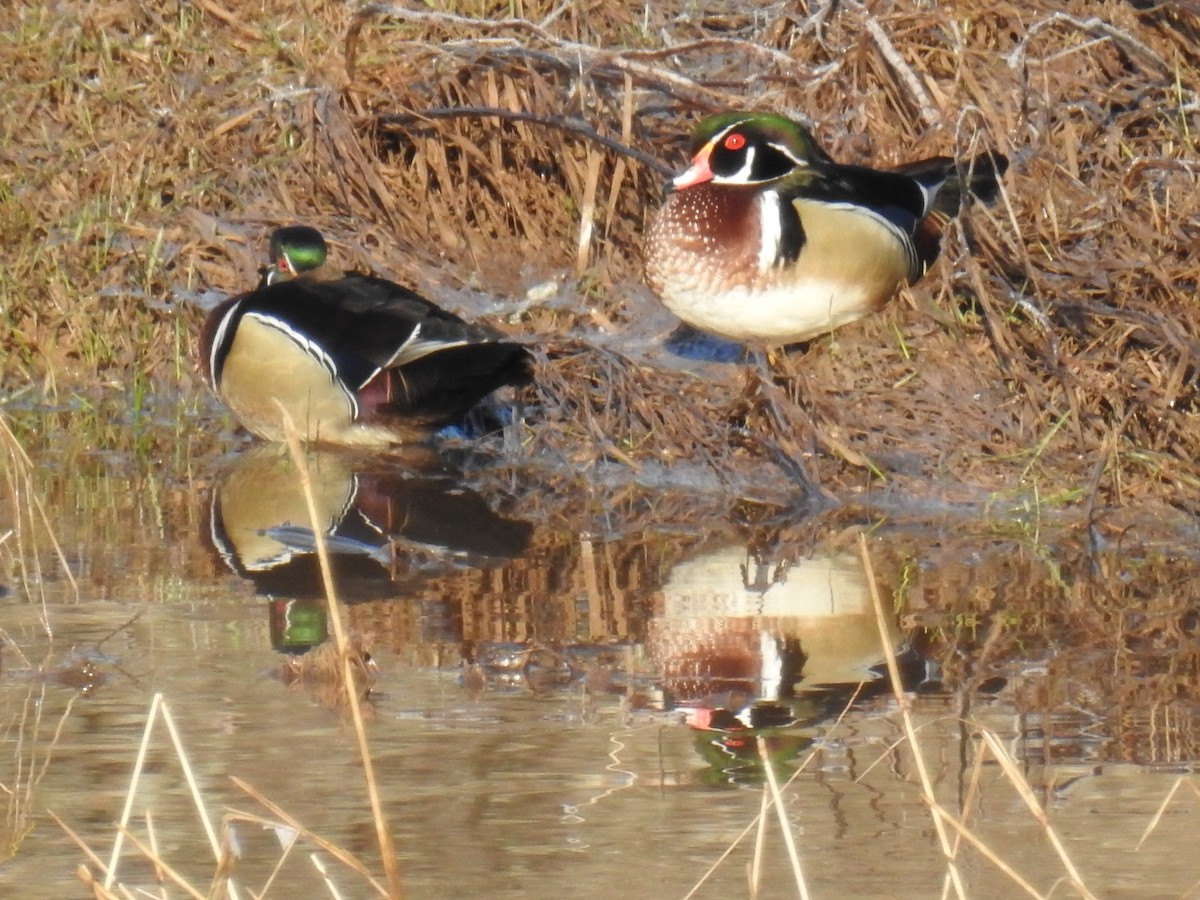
<point x="582" y="57"/>
<point x="561" y="123"/>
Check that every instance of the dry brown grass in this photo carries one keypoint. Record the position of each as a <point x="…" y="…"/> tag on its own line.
<point x="1050" y="355"/>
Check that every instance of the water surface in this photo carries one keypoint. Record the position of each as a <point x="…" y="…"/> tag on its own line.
<point x="564" y="677"/>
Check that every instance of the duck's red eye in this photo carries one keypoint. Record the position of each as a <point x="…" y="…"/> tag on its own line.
<point x="735" y="141"/>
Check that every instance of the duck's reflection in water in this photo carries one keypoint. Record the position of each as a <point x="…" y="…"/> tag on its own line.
<point x="752" y="646"/>
<point x="386" y="530"/>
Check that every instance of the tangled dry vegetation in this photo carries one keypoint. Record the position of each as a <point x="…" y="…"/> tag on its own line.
<point x="484" y="148"/>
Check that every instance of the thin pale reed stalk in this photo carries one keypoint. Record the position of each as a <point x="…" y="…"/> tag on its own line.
<point x="909" y="729"/>
<point x="139" y="763"/>
<point x="784" y="825"/>
<point x="162" y="866"/>
<point x="721" y="859"/>
<point x="966" y="834"/>
<point x="99" y="891"/>
<point x="760" y="842"/>
<point x="858" y="688"/>
<point x="156" y="855"/>
<point x="968" y="802"/>
<point x="759" y="820"/>
<point x="391" y="864"/>
<point x="29" y="511"/>
<point x="158" y="706"/>
<point x="79" y="842"/>
<point x="1162" y="808"/>
<point x="190" y="776"/>
<point x="890" y="748"/>
<point x="319" y="865"/>
<point x="1035" y="809"/>
<point x="941" y="815"/>
<point x="265" y="890"/>
<point x="343" y="856"/>
<point x="587" y="211"/>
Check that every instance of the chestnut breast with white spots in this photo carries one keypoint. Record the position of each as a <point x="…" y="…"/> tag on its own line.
<point x="705" y="238"/>
<point x="706" y="262"/>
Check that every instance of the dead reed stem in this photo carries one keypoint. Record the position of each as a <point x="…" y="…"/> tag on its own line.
<point x="158" y="706"/>
<point x="1162" y="808"/>
<point x="754" y="823"/>
<point x="31" y="519"/>
<point x="161" y="866"/>
<point x="1014" y="776"/>
<point x="760" y="842"/>
<point x="941" y="815"/>
<point x="967" y="804"/>
<point x="391" y="863"/>
<point x="906" y="717"/>
<point x="784" y="825"/>
<point x="760" y="820"/>
<point x="339" y="853"/>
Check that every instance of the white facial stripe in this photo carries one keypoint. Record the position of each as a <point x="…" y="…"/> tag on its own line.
<point x="770" y="229"/>
<point x="786" y="151"/>
<point x="742" y="175"/>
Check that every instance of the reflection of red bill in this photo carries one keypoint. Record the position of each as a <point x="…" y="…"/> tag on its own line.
<point x="707" y="718"/>
<point x="700" y="718"/>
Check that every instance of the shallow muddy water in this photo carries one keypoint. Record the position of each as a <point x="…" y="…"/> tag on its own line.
<point x="559" y="661"/>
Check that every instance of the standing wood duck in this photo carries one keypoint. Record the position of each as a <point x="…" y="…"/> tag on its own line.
<point x="765" y="238"/>
<point x="355" y="360"/>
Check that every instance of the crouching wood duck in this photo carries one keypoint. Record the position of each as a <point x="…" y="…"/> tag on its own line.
<point x="353" y="359"/>
<point x="765" y="238"/>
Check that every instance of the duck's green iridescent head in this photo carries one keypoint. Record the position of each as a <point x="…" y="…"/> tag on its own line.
<point x="295" y="249"/>
<point x="741" y="147"/>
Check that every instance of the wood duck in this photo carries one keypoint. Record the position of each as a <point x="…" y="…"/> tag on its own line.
<point x="765" y="238"/>
<point x="382" y="523"/>
<point x="355" y="360"/>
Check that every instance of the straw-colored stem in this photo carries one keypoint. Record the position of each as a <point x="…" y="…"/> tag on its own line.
<point x="110" y="874"/>
<point x="909" y="729"/>
<point x="784" y="825"/>
<point x="941" y="815"/>
<point x="341" y="854"/>
<point x="391" y="863"/>
<point x="1018" y="781"/>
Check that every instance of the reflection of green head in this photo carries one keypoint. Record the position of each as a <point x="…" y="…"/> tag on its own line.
<point x="298" y="625"/>
<point x="733" y="758"/>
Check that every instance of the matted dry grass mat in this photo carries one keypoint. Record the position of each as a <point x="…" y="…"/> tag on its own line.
<point x="515" y="151"/>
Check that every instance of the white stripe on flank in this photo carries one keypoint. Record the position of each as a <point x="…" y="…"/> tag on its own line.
<point x="219" y="341"/>
<point x="414" y="348"/>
